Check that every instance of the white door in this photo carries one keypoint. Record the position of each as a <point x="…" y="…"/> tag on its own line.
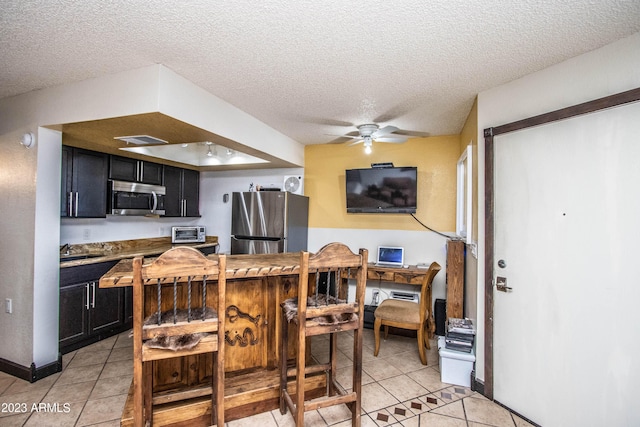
<point x="566" y="340"/>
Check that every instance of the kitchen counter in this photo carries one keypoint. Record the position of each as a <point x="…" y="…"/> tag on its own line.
<point x="256" y="286"/>
<point x="92" y="253"/>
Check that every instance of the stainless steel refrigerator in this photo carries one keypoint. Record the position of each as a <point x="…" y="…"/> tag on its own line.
<point x="265" y="222"/>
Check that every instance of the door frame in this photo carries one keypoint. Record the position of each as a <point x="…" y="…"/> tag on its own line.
<point x="490" y="133"/>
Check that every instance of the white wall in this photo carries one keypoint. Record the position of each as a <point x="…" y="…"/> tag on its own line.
<point x="216" y="214"/>
<point x="609" y="70"/>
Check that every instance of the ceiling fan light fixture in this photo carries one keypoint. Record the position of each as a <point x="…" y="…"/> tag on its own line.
<point x="368" y="142"/>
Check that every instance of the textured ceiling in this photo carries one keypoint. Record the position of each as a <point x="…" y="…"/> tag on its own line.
<point x="311" y="69"/>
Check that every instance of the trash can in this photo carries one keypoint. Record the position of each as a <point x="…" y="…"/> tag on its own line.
<point x="455" y="366"/>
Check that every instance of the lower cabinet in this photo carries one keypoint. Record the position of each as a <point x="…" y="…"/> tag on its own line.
<point x="89" y="313"/>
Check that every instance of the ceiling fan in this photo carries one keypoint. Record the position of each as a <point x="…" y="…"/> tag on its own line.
<point x="368" y="133"/>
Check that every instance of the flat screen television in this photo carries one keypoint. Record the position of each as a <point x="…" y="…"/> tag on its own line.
<point x="382" y="190"/>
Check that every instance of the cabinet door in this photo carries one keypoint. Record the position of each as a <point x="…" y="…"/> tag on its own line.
<point x="151" y="173"/>
<point x="132" y="170"/>
<point x="73" y="314"/>
<point x="90" y="184"/>
<point x="123" y="169"/>
<point x="128" y="306"/>
<point x="65" y="185"/>
<point x="191" y="191"/>
<point x="107" y="308"/>
<point x="173" y="186"/>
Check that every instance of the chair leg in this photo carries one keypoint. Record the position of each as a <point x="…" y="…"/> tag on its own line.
<point x="333" y="346"/>
<point x="300" y="376"/>
<point x="284" y="332"/>
<point x="356" y="407"/>
<point x="147" y="372"/>
<point x="427" y="337"/>
<point x="421" y="350"/>
<point x="376" y="335"/>
<point x="138" y="400"/>
<point x="214" y="388"/>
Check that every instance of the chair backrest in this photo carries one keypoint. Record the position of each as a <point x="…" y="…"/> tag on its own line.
<point x="168" y="273"/>
<point x="340" y="264"/>
<point x="425" y="290"/>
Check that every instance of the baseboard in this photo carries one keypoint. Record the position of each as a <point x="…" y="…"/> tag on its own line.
<point x="31" y="373"/>
<point x="476" y="384"/>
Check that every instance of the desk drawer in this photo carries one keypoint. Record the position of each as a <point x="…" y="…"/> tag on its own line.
<point x="387" y="276"/>
<point x="408" y="278"/>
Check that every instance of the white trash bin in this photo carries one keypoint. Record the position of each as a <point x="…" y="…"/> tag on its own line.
<point x="455" y="366"/>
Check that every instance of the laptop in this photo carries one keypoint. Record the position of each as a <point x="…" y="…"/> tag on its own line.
<point x="390" y="256"/>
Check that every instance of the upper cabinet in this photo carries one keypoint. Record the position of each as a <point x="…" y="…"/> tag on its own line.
<point x="125" y="169"/>
<point x="183" y="195"/>
<point x="84" y="183"/>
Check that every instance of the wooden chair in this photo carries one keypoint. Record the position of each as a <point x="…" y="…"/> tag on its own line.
<point x="316" y="312"/>
<point x="408" y="315"/>
<point x="183" y="323"/>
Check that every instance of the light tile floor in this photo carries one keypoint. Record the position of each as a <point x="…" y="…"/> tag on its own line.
<point x="396" y="391"/>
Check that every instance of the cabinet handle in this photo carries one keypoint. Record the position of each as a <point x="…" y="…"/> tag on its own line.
<point x="93" y="294"/>
<point x="86" y="287"/>
<point x="185" y="208"/>
<point x="70" y="203"/>
<point x="141" y="171"/>
<point x="76" y="214"/>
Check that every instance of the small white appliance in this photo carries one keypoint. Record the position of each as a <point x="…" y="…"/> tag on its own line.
<point x="390" y="256"/>
<point x="293" y="184"/>
<point x="188" y="234"/>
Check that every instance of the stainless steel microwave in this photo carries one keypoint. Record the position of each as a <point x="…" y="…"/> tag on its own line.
<point x="133" y="198"/>
<point x="188" y="234"/>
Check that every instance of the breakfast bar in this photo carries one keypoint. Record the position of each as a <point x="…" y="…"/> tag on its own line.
<point x="256" y="285"/>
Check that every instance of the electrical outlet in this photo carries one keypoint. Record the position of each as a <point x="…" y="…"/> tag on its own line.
<point x="8" y="305"/>
<point x="375" y="297"/>
<point x="86" y="233"/>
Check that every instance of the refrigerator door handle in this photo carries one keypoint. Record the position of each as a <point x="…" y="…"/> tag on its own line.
<point x="266" y="239"/>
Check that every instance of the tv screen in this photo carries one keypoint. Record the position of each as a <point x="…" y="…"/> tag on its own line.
<point x="382" y="190"/>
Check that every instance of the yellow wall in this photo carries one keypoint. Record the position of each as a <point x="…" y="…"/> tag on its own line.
<point x="435" y="158"/>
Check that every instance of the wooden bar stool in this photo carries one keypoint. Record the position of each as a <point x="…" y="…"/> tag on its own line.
<point x="326" y="311"/>
<point x="183" y="323"/>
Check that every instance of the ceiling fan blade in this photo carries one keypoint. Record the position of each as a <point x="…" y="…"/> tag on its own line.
<point x="384" y="131"/>
<point x="340" y="140"/>
<point x="415" y="134"/>
<point x="356" y="142"/>
<point x="392" y="139"/>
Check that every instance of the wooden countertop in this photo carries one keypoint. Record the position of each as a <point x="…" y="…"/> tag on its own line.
<point x="238" y="267"/>
<point x="114" y="251"/>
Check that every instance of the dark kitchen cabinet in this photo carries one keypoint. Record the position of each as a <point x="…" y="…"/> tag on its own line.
<point x="183" y="192"/>
<point x="89" y="313"/>
<point x="84" y="183"/>
<point x="132" y="170"/>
